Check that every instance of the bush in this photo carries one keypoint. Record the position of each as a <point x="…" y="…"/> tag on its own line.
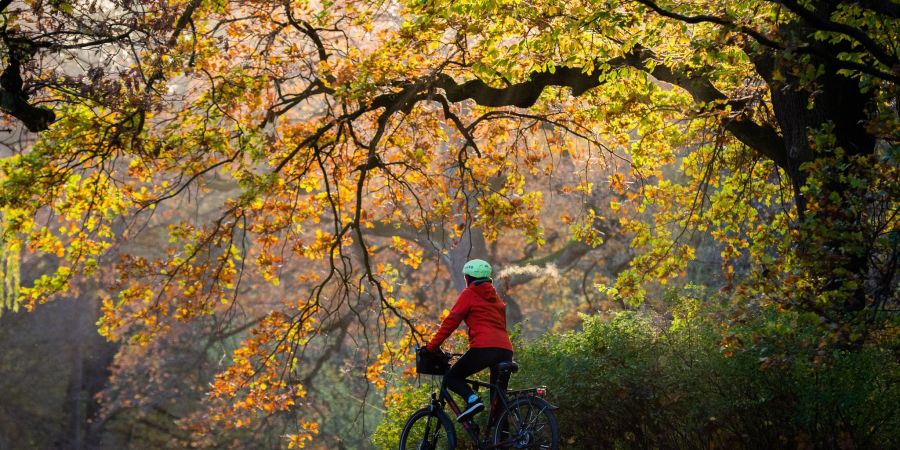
<point x="627" y="384"/>
<point x="387" y="433"/>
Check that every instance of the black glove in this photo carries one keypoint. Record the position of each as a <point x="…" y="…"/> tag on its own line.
<point x="424" y="350"/>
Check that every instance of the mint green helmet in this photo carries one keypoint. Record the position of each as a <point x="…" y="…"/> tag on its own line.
<point x="477" y="268"/>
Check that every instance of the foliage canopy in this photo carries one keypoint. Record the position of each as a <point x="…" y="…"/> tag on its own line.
<point x="294" y="168"/>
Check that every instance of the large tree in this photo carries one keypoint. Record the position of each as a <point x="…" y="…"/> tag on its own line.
<point x="317" y="136"/>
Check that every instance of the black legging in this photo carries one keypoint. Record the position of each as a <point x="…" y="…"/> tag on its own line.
<point x="475" y="360"/>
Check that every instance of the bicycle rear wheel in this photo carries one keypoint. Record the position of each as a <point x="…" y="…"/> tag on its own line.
<point x="529" y="423"/>
<point x="428" y="430"/>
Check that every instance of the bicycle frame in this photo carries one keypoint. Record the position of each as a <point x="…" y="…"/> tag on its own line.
<point x="498" y="398"/>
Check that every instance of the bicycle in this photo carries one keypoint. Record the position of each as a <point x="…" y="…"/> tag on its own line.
<point x="518" y="419"/>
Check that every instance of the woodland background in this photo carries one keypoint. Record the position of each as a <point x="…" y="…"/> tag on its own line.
<point x="225" y="224"/>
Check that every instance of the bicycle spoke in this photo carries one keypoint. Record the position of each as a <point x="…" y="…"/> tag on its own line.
<point x="536" y="417"/>
<point x="425" y="431"/>
<point x="517" y="414"/>
<point x="527" y="424"/>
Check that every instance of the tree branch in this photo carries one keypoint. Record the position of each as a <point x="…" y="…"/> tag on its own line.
<point x="762" y="138"/>
<point x="821" y="23"/>
<point x="522" y="95"/>
<point x="35" y="118"/>
<point x="762" y="39"/>
<point x="885" y="7"/>
<point x="307" y="29"/>
<point x="158" y="74"/>
<point x="13" y="100"/>
<point x="806" y="49"/>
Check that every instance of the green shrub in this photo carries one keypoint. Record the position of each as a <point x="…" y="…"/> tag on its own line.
<point x="627" y="384"/>
<point x="387" y="433"/>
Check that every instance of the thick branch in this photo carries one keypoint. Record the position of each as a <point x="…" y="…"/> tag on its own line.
<point x="35" y="119"/>
<point x="14" y="102"/>
<point x="762" y="138"/>
<point x="825" y="24"/>
<point x="307" y="29"/>
<point x="35" y="44"/>
<point x="522" y="95"/>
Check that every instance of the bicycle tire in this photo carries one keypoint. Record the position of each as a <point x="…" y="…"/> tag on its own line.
<point x="533" y="423"/>
<point x="413" y="435"/>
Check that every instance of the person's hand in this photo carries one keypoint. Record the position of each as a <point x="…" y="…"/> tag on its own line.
<point x="423" y="350"/>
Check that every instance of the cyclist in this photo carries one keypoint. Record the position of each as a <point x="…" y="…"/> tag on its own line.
<point x="485" y="314"/>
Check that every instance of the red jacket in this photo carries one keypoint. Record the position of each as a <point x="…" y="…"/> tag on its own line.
<point x="484" y="313"/>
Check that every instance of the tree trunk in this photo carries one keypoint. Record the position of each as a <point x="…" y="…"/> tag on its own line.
<point x="832" y="104"/>
<point x="471" y="245"/>
<point x="91" y="358"/>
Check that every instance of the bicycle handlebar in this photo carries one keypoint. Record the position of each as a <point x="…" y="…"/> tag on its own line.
<point x="452" y="355"/>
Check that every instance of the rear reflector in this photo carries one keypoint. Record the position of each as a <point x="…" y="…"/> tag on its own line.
<point x="540" y="391"/>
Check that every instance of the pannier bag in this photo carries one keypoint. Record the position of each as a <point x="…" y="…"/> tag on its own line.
<point x="432" y="363"/>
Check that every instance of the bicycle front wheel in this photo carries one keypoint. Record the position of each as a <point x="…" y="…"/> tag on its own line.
<point x="428" y="430"/>
<point x="529" y="423"/>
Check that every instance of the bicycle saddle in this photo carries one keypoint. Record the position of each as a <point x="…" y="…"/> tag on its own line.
<point x="507" y="366"/>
